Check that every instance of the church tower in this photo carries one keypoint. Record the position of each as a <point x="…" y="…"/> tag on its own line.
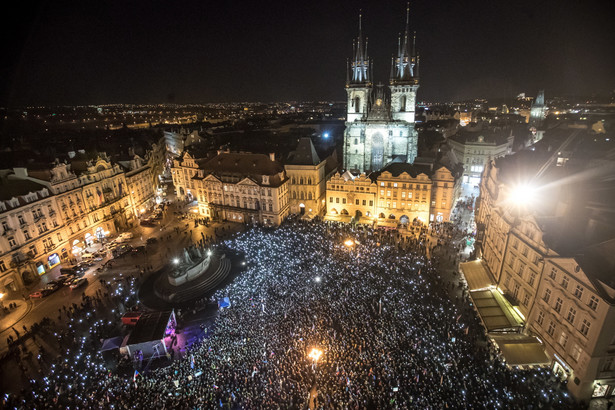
<point x="538" y="110"/>
<point x="358" y="79"/>
<point x="404" y="83"/>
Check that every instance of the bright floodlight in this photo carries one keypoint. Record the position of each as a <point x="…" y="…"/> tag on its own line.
<point x="325" y="135"/>
<point x="522" y="194"/>
<point x="349" y="243"/>
<point x="317" y="278"/>
<point x="176" y="261"/>
<point x="315" y="354"/>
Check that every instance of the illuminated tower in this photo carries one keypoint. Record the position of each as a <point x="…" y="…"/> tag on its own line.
<point x="404" y="83"/>
<point x="358" y="79"/>
<point x="538" y="111"/>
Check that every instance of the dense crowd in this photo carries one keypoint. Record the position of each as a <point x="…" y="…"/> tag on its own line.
<point x="391" y="337"/>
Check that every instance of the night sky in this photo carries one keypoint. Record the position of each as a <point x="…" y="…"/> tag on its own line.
<point x="97" y="52"/>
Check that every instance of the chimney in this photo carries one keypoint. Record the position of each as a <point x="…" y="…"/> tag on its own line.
<point x="272" y="156"/>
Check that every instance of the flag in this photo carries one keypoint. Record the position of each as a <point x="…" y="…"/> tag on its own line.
<point x="134" y="378"/>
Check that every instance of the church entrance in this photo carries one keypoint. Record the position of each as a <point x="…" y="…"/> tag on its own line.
<point x="377" y="151"/>
<point x="301" y="209"/>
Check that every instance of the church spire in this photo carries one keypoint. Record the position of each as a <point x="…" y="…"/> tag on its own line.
<point x="406" y="58"/>
<point x="360" y="62"/>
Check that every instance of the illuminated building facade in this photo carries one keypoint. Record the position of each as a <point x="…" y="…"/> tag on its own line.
<point x="235" y="186"/>
<point x="30" y="232"/>
<point x="399" y="194"/>
<point x="380" y="119"/>
<point x="474" y="149"/>
<point x="51" y="213"/>
<point x="555" y="267"/>
<point x="140" y="183"/>
<point x="538" y="110"/>
<point x="308" y="176"/>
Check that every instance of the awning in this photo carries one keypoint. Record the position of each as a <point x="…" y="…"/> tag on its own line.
<point x="495" y="311"/>
<point x="476" y="275"/>
<point x="111" y="343"/>
<point x="521" y="350"/>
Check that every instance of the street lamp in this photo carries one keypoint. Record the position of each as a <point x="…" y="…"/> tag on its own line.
<point x="349" y="243"/>
<point x="522" y="194"/>
<point x="315" y="354"/>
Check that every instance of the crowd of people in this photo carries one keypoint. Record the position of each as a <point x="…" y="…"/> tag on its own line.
<point x="372" y="302"/>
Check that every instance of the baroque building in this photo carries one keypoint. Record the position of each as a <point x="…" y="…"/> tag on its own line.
<point x="234" y="186"/>
<point x="552" y="257"/>
<point x="50" y="213"/>
<point x="400" y="193"/>
<point x="380" y="119"/>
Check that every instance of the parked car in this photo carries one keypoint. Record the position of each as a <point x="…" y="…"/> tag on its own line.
<point x="78" y="282"/>
<point x="39" y="294"/>
<point x="64" y="279"/>
<point x="126" y="235"/>
<point x="138" y="249"/>
<point x="68" y="271"/>
<point x="53" y="284"/>
<point x="121" y="250"/>
<point x="151" y="240"/>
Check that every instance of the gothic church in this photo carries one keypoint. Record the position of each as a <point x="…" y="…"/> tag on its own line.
<point x="380" y="119"/>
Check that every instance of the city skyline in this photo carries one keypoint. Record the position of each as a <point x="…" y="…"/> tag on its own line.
<point x="192" y="52"/>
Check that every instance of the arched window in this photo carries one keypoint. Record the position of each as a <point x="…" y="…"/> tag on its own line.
<point x="302" y="195"/>
<point x="301" y="181"/>
<point x="357" y="104"/>
<point x="309" y="181"/>
<point x="294" y="195"/>
<point x="309" y="195"/>
<point x="403" y="103"/>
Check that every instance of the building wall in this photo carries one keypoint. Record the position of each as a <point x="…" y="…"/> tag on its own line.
<point x="576" y="325"/>
<point x="307" y="187"/>
<point x="30" y="233"/>
<point x="474" y="155"/>
<point x="342" y="196"/>
<point x="581" y="341"/>
<point x="77" y="210"/>
<point x="399" y="199"/>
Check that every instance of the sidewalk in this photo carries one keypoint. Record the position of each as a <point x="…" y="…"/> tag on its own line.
<point x="8" y="321"/>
